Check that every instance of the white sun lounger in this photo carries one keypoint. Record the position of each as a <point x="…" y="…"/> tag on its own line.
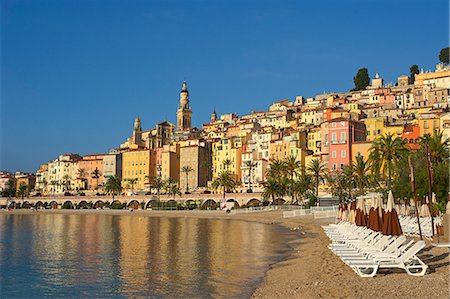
<point x="408" y="261"/>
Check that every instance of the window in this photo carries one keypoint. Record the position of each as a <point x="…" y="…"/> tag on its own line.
<point x="334" y="166"/>
<point x="333" y="154"/>
<point x="333" y="137"/>
<point x="343" y="136"/>
<point x="343" y="153"/>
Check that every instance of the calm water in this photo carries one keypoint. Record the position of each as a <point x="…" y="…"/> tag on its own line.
<point x="130" y="256"/>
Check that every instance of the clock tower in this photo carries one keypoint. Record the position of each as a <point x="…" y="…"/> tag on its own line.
<point x="184" y="113"/>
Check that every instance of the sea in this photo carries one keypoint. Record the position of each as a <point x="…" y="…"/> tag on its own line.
<point x="133" y="256"/>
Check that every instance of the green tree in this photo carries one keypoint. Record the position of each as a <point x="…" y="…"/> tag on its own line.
<point x="276" y="169"/>
<point x="186" y="170"/>
<point x="226" y="164"/>
<point x="113" y="185"/>
<point x="132" y="182"/>
<point x="438" y="145"/>
<point x="22" y="191"/>
<point x="443" y="55"/>
<point x="361" y="79"/>
<point x="96" y="175"/>
<point x="385" y="152"/>
<point x="10" y="188"/>
<point x="302" y="186"/>
<point x="54" y="184"/>
<point x="361" y="171"/>
<point x="82" y="176"/>
<point x="413" y="71"/>
<point x="225" y="180"/>
<point x="66" y="182"/>
<point x="158" y="184"/>
<point x="318" y="171"/>
<point x="250" y="165"/>
<point x="272" y="189"/>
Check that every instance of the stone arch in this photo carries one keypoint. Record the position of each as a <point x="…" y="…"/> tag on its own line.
<point x="209" y="204"/>
<point x="191" y="204"/>
<point x="254" y="202"/>
<point x="12" y="205"/>
<point x="83" y="204"/>
<point x="171" y="204"/>
<point x="152" y="203"/>
<point x="236" y="203"/>
<point x="68" y="205"/>
<point x="39" y="204"/>
<point x="278" y="201"/>
<point x="133" y="204"/>
<point x="99" y="204"/>
<point x="53" y="204"/>
<point x="116" y="204"/>
<point x="26" y="205"/>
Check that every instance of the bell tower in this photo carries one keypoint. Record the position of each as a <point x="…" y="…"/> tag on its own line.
<point x="184" y="113"/>
<point x="137" y="132"/>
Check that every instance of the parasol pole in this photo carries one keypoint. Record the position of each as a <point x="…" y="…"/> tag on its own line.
<point x="430" y="186"/>
<point x="413" y="189"/>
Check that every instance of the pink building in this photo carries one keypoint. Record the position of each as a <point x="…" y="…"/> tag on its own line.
<point x="342" y="133"/>
<point x="4" y="179"/>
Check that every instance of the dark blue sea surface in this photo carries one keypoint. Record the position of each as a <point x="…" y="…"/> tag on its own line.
<point x="104" y="256"/>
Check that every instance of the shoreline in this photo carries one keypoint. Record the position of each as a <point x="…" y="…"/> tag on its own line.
<point x="310" y="270"/>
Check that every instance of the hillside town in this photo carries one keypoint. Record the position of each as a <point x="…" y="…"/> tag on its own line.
<point x="333" y="128"/>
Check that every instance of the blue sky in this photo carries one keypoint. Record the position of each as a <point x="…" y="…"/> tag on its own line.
<point x="75" y="74"/>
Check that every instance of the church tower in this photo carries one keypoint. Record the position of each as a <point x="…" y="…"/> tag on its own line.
<point x="137" y="132"/>
<point x="184" y="113"/>
<point x="214" y="116"/>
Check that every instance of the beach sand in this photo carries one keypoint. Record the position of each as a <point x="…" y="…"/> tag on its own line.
<point x="312" y="270"/>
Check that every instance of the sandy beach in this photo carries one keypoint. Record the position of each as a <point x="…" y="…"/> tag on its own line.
<point x="313" y="271"/>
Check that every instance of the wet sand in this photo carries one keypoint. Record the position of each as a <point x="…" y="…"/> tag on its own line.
<point x="313" y="271"/>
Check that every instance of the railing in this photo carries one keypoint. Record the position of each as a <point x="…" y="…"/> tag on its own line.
<point x="317" y="212"/>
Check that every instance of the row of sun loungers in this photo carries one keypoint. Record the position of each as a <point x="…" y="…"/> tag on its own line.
<point x="410" y="227"/>
<point x="366" y="251"/>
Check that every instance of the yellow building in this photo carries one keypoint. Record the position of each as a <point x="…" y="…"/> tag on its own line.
<point x="281" y="149"/>
<point x="315" y="140"/>
<point x="137" y="165"/>
<point x="375" y="127"/>
<point x="227" y="149"/>
<point x="445" y="125"/>
<point x="361" y="148"/>
<point x="170" y="162"/>
<point x="428" y="123"/>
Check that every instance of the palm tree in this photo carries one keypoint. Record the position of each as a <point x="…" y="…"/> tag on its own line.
<point x="158" y="184"/>
<point x="291" y="166"/>
<point x="348" y="178"/>
<point x="96" y="175"/>
<point x="385" y="152"/>
<point x="81" y="175"/>
<point x="54" y="184"/>
<point x="438" y="146"/>
<point x="174" y="190"/>
<point x="113" y="185"/>
<point x="301" y="187"/>
<point x="276" y="169"/>
<point x="361" y="172"/>
<point x="186" y="170"/>
<point x="250" y="165"/>
<point x="318" y="170"/>
<point x="227" y="164"/>
<point x="66" y="181"/>
<point x="271" y="189"/>
<point x="225" y="180"/>
<point x="132" y="182"/>
<point x="22" y="191"/>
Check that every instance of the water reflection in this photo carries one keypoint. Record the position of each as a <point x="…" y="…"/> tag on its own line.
<point x="132" y="256"/>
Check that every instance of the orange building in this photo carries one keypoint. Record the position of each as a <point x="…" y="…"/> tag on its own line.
<point x="410" y="135"/>
<point x="93" y="169"/>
